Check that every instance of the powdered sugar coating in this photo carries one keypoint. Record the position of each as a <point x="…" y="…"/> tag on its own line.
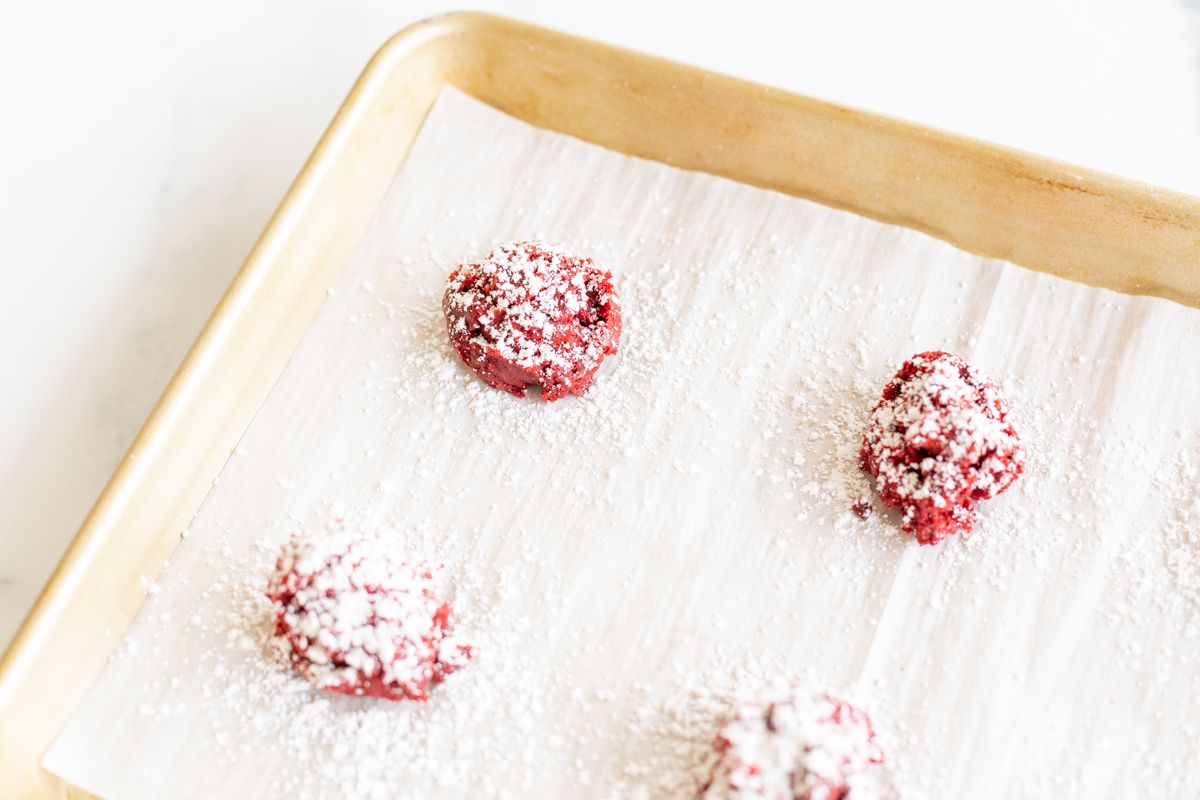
<point x="531" y="314"/>
<point x="356" y="616"/>
<point x="797" y="743"/>
<point x="938" y="441"/>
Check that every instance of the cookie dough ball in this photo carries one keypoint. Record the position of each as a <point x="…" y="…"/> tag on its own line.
<point x="939" y="441"/>
<point x="797" y="743"/>
<point x="356" y="616"/>
<point x="532" y="314"/>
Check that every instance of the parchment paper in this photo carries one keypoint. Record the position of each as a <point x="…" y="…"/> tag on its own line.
<point x="627" y="561"/>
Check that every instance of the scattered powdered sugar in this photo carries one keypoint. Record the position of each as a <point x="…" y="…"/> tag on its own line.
<point x="629" y="563"/>
<point x="677" y="730"/>
<point x="350" y="746"/>
<point x="796" y="742"/>
<point x="1180" y="481"/>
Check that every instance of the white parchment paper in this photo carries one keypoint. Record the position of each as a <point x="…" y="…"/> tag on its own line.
<point x="627" y="561"/>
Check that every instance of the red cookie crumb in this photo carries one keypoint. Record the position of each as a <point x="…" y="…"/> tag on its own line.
<point x="356" y="616"/>
<point x="795" y="743"/>
<point x="861" y="508"/>
<point x="938" y="441"/>
<point x="531" y="314"/>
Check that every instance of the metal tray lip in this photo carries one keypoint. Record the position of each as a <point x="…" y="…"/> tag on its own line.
<point x="1072" y="174"/>
<point x="21" y="654"/>
<point x="251" y="273"/>
<point x="99" y="527"/>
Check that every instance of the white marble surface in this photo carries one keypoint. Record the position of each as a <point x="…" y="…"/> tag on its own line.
<point x="144" y="145"/>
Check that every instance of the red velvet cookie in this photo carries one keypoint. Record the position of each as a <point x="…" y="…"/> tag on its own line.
<point x="531" y="314"/>
<point x="795" y="743"/>
<point x="355" y="616"/>
<point x="939" y="441"/>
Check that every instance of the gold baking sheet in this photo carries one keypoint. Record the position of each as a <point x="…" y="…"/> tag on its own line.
<point x="1040" y="213"/>
<point x="689" y="520"/>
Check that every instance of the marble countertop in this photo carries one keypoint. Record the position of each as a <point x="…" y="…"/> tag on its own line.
<point x="148" y="143"/>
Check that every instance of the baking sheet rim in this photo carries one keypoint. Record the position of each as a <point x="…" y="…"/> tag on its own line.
<point x="24" y="736"/>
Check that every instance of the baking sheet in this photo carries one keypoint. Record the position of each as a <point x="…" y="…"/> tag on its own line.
<point x="627" y="561"/>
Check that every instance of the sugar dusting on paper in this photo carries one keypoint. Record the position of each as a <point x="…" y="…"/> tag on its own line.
<point x="628" y="563"/>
